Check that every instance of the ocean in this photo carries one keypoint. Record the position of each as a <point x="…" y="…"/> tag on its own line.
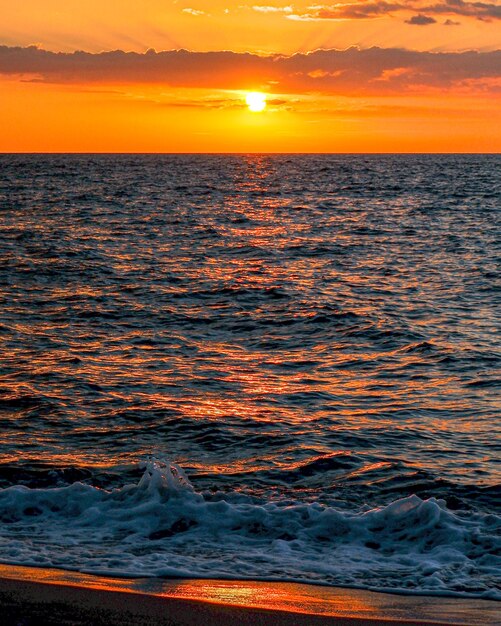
<point x="275" y="367"/>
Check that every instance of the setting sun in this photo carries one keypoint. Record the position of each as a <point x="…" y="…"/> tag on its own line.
<point x="256" y="101"/>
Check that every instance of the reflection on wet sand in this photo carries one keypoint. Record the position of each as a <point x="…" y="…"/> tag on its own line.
<point x="289" y="597"/>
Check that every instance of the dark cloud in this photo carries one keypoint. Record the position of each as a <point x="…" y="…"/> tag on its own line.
<point x="421" y="20"/>
<point x="480" y="10"/>
<point x="360" y="10"/>
<point x="350" y="71"/>
<point x="451" y="23"/>
<point x="379" y="8"/>
<point x="354" y="11"/>
<point x="277" y="102"/>
<point x="391" y="69"/>
<point x="175" y="67"/>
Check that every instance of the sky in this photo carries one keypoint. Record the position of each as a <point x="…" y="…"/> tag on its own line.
<point x="174" y="75"/>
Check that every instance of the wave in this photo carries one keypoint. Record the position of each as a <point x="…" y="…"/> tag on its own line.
<point x="162" y="527"/>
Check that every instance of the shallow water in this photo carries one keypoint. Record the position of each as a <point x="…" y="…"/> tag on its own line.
<point x="313" y="339"/>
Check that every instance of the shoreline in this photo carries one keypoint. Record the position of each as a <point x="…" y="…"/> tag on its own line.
<point x="30" y="596"/>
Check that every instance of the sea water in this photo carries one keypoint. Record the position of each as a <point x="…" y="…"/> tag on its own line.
<point x="280" y="367"/>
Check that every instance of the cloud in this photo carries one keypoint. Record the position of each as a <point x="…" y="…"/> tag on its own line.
<point x="451" y="23"/>
<point x="421" y="20"/>
<point x="480" y="10"/>
<point x="348" y="72"/>
<point x="195" y="12"/>
<point x="370" y="9"/>
<point x="270" y="9"/>
<point x="358" y="10"/>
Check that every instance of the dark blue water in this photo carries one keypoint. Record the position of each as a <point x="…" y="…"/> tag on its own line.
<point x="314" y="340"/>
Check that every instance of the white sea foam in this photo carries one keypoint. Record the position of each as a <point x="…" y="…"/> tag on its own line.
<point x="163" y="527"/>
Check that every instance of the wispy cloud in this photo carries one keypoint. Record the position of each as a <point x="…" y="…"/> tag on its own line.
<point x="195" y="12"/>
<point x="272" y="9"/>
<point x="370" y="9"/>
<point x="353" y="11"/>
<point x="479" y="10"/>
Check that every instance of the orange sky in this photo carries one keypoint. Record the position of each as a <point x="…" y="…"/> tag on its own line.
<point x="393" y="76"/>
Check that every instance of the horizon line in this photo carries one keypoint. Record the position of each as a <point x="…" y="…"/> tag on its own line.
<point x="241" y="153"/>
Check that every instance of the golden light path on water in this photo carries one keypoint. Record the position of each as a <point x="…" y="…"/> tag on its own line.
<point x="351" y="390"/>
<point x="310" y="338"/>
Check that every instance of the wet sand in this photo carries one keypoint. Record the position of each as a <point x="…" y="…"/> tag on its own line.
<point x="33" y="596"/>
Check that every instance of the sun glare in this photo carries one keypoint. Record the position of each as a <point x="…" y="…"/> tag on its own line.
<point x="256" y="101"/>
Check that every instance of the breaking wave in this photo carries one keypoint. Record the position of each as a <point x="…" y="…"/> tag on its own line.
<point x="162" y="527"/>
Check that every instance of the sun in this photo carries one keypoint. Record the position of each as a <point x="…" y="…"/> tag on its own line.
<point x="256" y="101"/>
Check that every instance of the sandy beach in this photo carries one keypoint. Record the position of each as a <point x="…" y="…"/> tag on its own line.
<point x="40" y="596"/>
